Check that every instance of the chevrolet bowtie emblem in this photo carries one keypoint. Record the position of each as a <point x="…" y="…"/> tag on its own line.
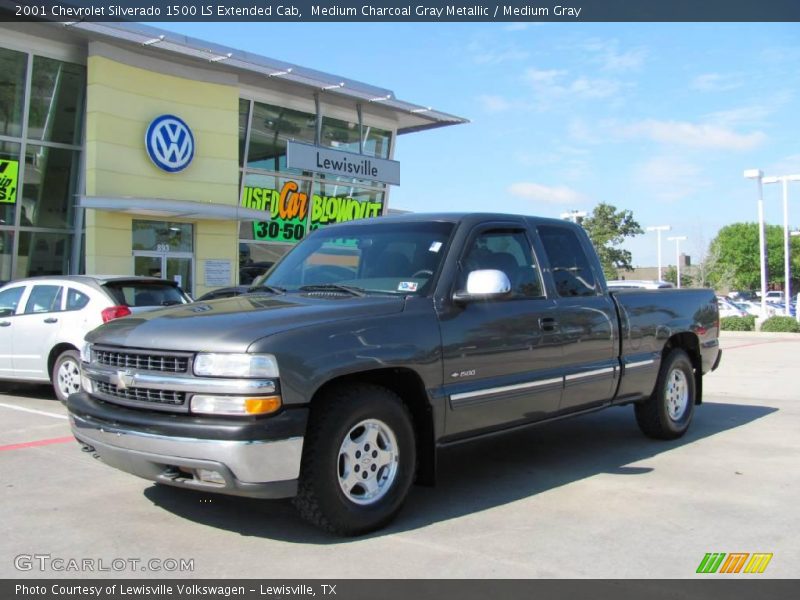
<point x="124" y="379"/>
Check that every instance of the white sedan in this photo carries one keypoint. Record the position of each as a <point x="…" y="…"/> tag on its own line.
<point x="43" y="321"/>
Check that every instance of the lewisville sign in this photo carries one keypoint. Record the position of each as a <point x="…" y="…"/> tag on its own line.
<point x="307" y="157"/>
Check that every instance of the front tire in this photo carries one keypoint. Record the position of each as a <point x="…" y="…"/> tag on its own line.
<point x="359" y="460"/>
<point x="66" y="375"/>
<point x="667" y="414"/>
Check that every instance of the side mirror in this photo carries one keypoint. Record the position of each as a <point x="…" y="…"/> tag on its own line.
<point x="6" y="312"/>
<point x="484" y="284"/>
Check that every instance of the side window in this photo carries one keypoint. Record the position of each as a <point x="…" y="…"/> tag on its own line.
<point x="9" y="300"/>
<point x="571" y="271"/>
<point x="44" y="298"/>
<point x="508" y="251"/>
<point x="76" y="300"/>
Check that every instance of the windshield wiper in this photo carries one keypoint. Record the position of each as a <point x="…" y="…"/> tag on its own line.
<point x="273" y="289"/>
<point x="335" y="287"/>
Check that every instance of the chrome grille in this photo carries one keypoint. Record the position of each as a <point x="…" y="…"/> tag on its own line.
<point x="141" y="394"/>
<point x="168" y="363"/>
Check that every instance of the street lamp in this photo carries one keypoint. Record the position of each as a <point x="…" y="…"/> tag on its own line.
<point x="677" y="239"/>
<point x="576" y="216"/>
<point x="658" y="229"/>
<point x="787" y="268"/>
<point x="758" y="175"/>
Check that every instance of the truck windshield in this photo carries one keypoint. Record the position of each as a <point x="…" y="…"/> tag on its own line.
<point x="384" y="257"/>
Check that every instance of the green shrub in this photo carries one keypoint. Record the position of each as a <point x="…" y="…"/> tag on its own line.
<point x="787" y="324"/>
<point x="747" y="323"/>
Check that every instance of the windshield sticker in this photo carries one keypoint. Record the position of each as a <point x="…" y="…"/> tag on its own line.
<point x="407" y="286"/>
<point x="435" y="247"/>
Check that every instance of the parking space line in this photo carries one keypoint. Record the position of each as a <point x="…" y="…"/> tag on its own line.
<point x="61" y="440"/>
<point x="33" y="410"/>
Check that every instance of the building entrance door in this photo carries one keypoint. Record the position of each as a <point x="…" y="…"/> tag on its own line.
<point x="164" y="250"/>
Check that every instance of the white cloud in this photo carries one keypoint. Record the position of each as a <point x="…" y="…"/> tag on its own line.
<point x="553" y="85"/>
<point x="493" y="103"/>
<point x="716" y="82"/>
<point x="693" y="135"/>
<point x="547" y="194"/>
<point x="609" y="57"/>
<point x="669" y="178"/>
<point x="484" y="51"/>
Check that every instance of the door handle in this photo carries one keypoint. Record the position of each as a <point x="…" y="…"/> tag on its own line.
<point x="51" y="320"/>
<point x="5" y="323"/>
<point x="548" y="324"/>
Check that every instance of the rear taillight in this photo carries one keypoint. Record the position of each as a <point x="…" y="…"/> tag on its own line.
<point x="114" y="312"/>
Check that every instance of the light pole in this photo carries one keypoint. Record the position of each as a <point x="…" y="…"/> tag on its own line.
<point x="787" y="260"/>
<point x="758" y="175"/>
<point x="576" y="216"/>
<point x="677" y="239"/>
<point x="658" y="229"/>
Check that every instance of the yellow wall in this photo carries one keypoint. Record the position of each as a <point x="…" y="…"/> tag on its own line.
<point x="122" y="100"/>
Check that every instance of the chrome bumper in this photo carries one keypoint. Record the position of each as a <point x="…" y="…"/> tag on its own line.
<point x="267" y="469"/>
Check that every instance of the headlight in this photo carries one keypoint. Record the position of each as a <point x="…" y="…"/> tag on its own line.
<point x="235" y="365"/>
<point x="235" y="405"/>
<point x="86" y="352"/>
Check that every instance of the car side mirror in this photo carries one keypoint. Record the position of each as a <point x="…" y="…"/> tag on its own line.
<point x="484" y="284"/>
<point x="6" y="312"/>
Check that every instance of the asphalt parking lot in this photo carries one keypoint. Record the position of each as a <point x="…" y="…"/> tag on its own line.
<point x="586" y="497"/>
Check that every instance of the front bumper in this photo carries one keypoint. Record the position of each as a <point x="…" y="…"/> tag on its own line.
<point x="257" y="459"/>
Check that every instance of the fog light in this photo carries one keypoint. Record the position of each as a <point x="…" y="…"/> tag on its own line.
<point x="209" y="476"/>
<point x="86" y="383"/>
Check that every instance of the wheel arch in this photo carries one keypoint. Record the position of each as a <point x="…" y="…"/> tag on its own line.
<point x="408" y="385"/>
<point x="689" y="343"/>
<point x="57" y="350"/>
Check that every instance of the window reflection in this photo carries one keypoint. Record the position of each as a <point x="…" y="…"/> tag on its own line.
<point x="9" y="181"/>
<point x="339" y="134"/>
<point x="6" y="252"/>
<point x="244" y="116"/>
<point x="56" y="107"/>
<point x="12" y="91"/>
<point x="43" y="253"/>
<point x="272" y="127"/>
<point x="50" y="177"/>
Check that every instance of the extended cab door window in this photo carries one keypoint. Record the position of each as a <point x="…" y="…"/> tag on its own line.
<point x="572" y="273"/>
<point x="508" y="251"/>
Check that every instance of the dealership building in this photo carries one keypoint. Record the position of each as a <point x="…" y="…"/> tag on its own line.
<point x="130" y="150"/>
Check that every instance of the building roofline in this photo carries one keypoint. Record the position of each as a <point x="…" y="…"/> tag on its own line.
<point x="414" y="117"/>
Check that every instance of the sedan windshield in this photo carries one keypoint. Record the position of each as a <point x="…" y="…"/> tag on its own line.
<point x="388" y="257"/>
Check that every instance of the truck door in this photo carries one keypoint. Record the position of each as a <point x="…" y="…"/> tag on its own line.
<point x="587" y="321"/>
<point x="502" y="360"/>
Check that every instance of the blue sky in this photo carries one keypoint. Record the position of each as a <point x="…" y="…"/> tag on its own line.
<point x="660" y="119"/>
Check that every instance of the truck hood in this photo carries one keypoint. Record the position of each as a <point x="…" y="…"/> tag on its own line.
<point x="233" y="324"/>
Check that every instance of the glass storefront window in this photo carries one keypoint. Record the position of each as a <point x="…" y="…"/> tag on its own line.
<point x="12" y="91"/>
<point x="50" y="177"/>
<point x="339" y="134"/>
<point x="244" y="118"/>
<point x="285" y="202"/>
<point x="9" y="181"/>
<point x="6" y="253"/>
<point x="335" y="203"/>
<point x="43" y="253"/>
<point x="271" y="128"/>
<point x="159" y="236"/>
<point x="377" y="142"/>
<point x="56" y="108"/>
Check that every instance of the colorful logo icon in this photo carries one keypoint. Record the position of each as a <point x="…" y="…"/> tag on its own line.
<point x="169" y="143"/>
<point x="716" y="562"/>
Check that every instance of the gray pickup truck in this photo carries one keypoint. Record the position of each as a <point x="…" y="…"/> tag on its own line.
<point x="372" y="345"/>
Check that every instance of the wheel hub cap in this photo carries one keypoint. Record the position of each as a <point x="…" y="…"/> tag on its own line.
<point x="677" y="394"/>
<point x="69" y="378"/>
<point x="368" y="461"/>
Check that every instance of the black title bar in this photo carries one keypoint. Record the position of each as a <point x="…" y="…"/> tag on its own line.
<point x="399" y="10"/>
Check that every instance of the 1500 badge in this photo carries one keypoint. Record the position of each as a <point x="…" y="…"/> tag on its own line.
<point x="469" y="373"/>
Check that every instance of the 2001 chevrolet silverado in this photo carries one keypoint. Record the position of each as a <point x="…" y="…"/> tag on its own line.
<point x="373" y="344"/>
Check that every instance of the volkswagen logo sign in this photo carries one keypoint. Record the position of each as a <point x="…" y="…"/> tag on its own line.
<point x="169" y="143"/>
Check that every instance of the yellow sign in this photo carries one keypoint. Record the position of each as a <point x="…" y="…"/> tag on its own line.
<point x="8" y="181"/>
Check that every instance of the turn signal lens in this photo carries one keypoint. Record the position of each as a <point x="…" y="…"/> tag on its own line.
<point x="235" y="405"/>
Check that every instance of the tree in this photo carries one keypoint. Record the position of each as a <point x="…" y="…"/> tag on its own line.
<point x="607" y="228"/>
<point x="671" y="275"/>
<point x="737" y="262"/>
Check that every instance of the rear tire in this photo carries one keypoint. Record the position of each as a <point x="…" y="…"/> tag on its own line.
<point x="667" y="414"/>
<point x="359" y="460"/>
<point x="66" y="375"/>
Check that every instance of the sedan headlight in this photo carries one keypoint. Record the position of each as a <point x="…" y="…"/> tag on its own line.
<point x="86" y="352"/>
<point x="235" y="365"/>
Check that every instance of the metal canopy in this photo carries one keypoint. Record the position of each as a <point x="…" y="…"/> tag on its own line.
<point x="184" y="209"/>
